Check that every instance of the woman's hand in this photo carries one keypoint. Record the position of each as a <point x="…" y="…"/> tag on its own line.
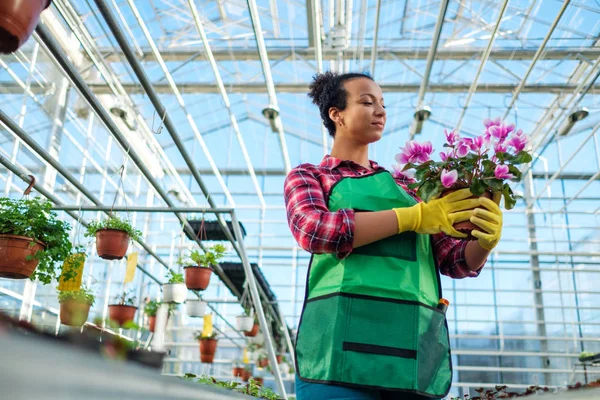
<point x="490" y="222"/>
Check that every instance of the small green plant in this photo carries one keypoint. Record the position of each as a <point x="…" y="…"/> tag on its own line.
<point x="201" y="336"/>
<point x="113" y="222"/>
<point x="209" y="259"/>
<point x="83" y="295"/>
<point x="173" y="277"/>
<point x="151" y="308"/>
<point x="252" y="388"/>
<point x="127" y="298"/>
<point x="34" y="218"/>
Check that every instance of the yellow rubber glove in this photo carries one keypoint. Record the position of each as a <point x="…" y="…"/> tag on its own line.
<point x="438" y="215"/>
<point x="490" y="222"/>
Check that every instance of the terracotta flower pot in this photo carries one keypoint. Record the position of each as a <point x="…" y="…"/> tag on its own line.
<point x="263" y="362"/>
<point x="152" y="322"/>
<point x="208" y="347"/>
<point x="197" y="278"/>
<point x="237" y="371"/>
<point x="467" y="226"/>
<point x="111" y="244"/>
<point x="121" y="313"/>
<point x="260" y="381"/>
<point x="73" y="312"/>
<point x="278" y="358"/>
<point x="13" y="251"/>
<point x="245" y="375"/>
<point x="253" y="332"/>
<point x="18" y="19"/>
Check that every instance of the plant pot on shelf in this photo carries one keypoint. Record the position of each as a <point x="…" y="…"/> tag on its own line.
<point x="208" y="348"/>
<point x="279" y="358"/>
<point x="466" y="226"/>
<point x="259" y="380"/>
<point x="111" y="244"/>
<point x="245" y="375"/>
<point x="14" y="251"/>
<point x="284" y="368"/>
<point x="121" y="313"/>
<point x="195" y="308"/>
<point x="174" y="292"/>
<point x="237" y="371"/>
<point x="252" y="332"/>
<point x="262" y="363"/>
<point x="244" y="323"/>
<point x="74" y="312"/>
<point x="197" y="278"/>
<point x="18" y="19"/>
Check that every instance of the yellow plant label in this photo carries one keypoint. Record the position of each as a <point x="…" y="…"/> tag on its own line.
<point x="207" y="330"/>
<point x="74" y="263"/>
<point x="132" y="260"/>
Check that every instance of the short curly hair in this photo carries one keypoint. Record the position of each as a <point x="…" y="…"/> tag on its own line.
<point x="327" y="90"/>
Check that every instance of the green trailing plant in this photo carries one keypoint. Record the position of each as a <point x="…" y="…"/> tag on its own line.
<point x="501" y="391"/>
<point x="34" y="218"/>
<point x="173" y="277"/>
<point x="113" y="222"/>
<point x="210" y="258"/>
<point x="201" y="336"/>
<point x="83" y="295"/>
<point x="126" y="298"/>
<point x="151" y="308"/>
<point x="252" y="388"/>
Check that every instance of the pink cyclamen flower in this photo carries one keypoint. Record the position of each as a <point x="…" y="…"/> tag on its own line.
<point x="451" y="137"/>
<point x="449" y="178"/>
<point x="501" y="131"/>
<point x="444" y="155"/>
<point x="399" y="174"/>
<point x="414" y="152"/>
<point x="462" y="147"/>
<point x="518" y="141"/>
<point x="500" y="148"/>
<point x="501" y="172"/>
<point x="491" y="122"/>
<point x="478" y="143"/>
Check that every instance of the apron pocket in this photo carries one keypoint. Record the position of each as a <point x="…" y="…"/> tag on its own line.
<point x="381" y="350"/>
<point x="402" y="246"/>
<point x="434" y="371"/>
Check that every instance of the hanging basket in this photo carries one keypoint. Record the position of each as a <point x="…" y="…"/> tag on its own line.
<point x="18" y="19"/>
<point x="195" y="308"/>
<point x="244" y="323"/>
<point x="111" y="244"/>
<point x="197" y="278"/>
<point x="208" y="348"/>
<point x="174" y="293"/>
<point x="13" y="253"/>
<point x="121" y="313"/>
<point x="74" y="312"/>
<point x="252" y="332"/>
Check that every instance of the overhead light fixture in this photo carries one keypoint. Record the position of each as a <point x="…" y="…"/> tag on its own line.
<point x="421" y="115"/>
<point x="271" y="113"/>
<point x="576" y="115"/>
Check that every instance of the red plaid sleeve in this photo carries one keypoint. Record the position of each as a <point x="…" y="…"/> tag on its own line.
<point x="449" y="253"/>
<point x="315" y="228"/>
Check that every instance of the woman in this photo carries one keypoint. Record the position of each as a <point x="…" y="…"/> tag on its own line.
<point x="369" y="327"/>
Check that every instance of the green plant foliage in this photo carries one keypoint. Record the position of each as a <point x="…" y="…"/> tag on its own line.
<point x="83" y="295"/>
<point x="252" y="388"/>
<point x="200" y="336"/>
<point x="151" y="308"/>
<point x="35" y="219"/>
<point x="209" y="259"/>
<point x="173" y="277"/>
<point x="127" y="298"/>
<point x="113" y="222"/>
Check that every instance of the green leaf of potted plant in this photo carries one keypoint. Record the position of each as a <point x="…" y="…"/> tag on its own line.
<point x="112" y="236"/>
<point x="32" y="236"/>
<point x="174" y="291"/>
<point x="245" y="322"/>
<point x="198" y="267"/>
<point x="75" y="306"/>
<point x="151" y="308"/>
<point x="208" y="346"/>
<point x="124" y="310"/>
<point x="262" y="360"/>
<point x="195" y="307"/>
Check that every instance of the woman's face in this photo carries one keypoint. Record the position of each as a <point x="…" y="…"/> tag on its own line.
<point x="364" y="118"/>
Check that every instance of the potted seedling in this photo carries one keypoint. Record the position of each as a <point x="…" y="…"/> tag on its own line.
<point x="262" y="360"/>
<point x="195" y="307"/>
<point x="245" y="322"/>
<point x="208" y="346"/>
<point x="151" y="308"/>
<point x="174" y="291"/>
<point x="124" y="310"/>
<point x="112" y="236"/>
<point x="246" y="373"/>
<point x="483" y="164"/>
<point x="237" y="369"/>
<point x="75" y="306"/>
<point x="198" y="267"/>
<point x="31" y="236"/>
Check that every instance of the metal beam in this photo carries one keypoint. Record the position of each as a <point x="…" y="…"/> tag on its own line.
<point x="414" y="53"/>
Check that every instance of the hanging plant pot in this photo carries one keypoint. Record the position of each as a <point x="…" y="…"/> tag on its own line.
<point x="195" y="308"/>
<point x="244" y="323"/>
<point x="197" y="278"/>
<point x="245" y="375"/>
<point x="174" y="292"/>
<point x="111" y="244"/>
<point x="74" y="312"/>
<point x="252" y="332"/>
<point x="263" y="362"/>
<point x="466" y="226"/>
<point x="151" y="323"/>
<point x="208" y="347"/>
<point x="259" y="339"/>
<point x="121" y="313"/>
<point x="278" y="358"/>
<point x="13" y="253"/>
<point x="17" y="20"/>
<point x="237" y="371"/>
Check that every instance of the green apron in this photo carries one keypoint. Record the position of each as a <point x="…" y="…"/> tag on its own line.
<point x="370" y="320"/>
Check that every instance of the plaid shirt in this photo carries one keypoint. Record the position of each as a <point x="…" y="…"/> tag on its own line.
<point x="318" y="230"/>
